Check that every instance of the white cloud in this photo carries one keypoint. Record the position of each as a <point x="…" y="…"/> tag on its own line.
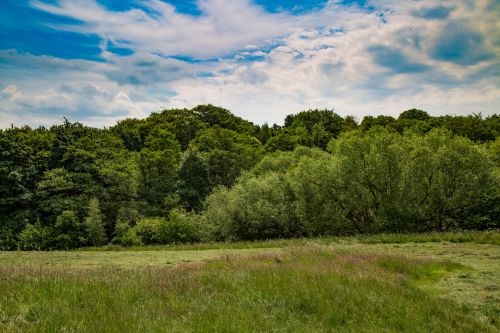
<point x="10" y="92"/>
<point x="225" y="26"/>
<point x="331" y="67"/>
<point x="357" y="61"/>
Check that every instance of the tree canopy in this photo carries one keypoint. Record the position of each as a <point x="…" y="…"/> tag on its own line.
<point x="183" y="175"/>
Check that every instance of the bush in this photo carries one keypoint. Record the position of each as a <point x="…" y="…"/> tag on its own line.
<point x="147" y="229"/>
<point x="35" y="237"/>
<point x="124" y="234"/>
<point x="7" y="240"/>
<point x="255" y="208"/>
<point x="179" y="228"/>
<point x="129" y="238"/>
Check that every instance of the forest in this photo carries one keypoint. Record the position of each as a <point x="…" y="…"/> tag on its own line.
<point x="205" y="174"/>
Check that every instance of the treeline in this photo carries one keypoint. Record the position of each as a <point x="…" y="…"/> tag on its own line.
<point x="205" y="174"/>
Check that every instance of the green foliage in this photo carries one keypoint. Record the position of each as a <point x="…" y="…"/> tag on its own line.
<point x="279" y="161"/>
<point x="185" y="124"/>
<point x="288" y="139"/>
<point x="368" y="172"/>
<point x="414" y="114"/>
<point x="158" y="164"/>
<point x="494" y="150"/>
<point x="16" y="172"/>
<point x="327" y="119"/>
<point x="413" y="182"/>
<point x="178" y="228"/>
<point x="350" y="123"/>
<point x="309" y="128"/>
<point x="213" y="116"/>
<point x="128" y="130"/>
<point x="370" y="121"/>
<point x="227" y="153"/>
<point x="386" y="174"/>
<point x="194" y="180"/>
<point x="93" y="224"/>
<point x="314" y="184"/>
<point x="147" y="229"/>
<point x="57" y="191"/>
<point x="473" y="127"/>
<point x="374" y="181"/>
<point x="7" y="239"/>
<point x="446" y="176"/>
<point x="255" y="208"/>
<point x="119" y="180"/>
<point x="65" y="136"/>
<point x="264" y="133"/>
<point x="124" y="233"/>
<point x="35" y="237"/>
<point x="67" y="231"/>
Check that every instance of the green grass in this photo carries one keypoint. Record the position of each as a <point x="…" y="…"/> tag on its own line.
<point x="118" y="259"/>
<point x="277" y="286"/>
<point x="476" y="237"/>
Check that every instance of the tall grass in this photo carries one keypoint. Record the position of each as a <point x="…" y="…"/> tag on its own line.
<point x="296" y="291"/>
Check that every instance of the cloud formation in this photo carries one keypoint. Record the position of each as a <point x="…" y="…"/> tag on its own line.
<point x="224" y="26"/>
<point x="366" y="57"/>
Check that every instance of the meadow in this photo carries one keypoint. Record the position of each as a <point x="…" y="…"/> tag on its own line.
<point x="386" y="283"/>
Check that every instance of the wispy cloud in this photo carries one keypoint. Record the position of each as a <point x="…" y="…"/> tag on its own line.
<point x="224" y="26"/>
<point x="368" y="57"/>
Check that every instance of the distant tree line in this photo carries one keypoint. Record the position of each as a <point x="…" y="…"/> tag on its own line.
<point x="205" y="174"/>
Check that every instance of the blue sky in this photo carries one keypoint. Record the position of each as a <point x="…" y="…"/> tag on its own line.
<point x="98" y="61"/>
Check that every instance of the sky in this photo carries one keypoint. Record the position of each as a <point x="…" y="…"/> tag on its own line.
<point x="99" y="61"/>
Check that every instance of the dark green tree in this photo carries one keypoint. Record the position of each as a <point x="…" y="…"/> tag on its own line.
<point x="415" y="114"/>
<point x="128" y="130"/>
<point x="194" y="180"/>
<point x="158" y="165"/>
<point x="216" y="116"/>
<point x="67" y="231"/>
<point x="227" y="153"/>
<point x="287" y="139"/>
<point x="331" y="122"/>
<point x="16" y="173"/>
<point x="370" y="121"/>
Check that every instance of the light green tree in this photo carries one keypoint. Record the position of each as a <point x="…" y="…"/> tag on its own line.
<point x="125" y="234"/>
<point x="94" y="225"/>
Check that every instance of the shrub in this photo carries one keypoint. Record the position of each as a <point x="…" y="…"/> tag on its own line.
<point x="179" y="228"/>
<point x="7" y="240"/>
<point x="124" y="233"/>
<point x="255" y="208"/>
<point x="35" y="237"/>
<point x="147" y="229"/>
<point x="129" y="238"/>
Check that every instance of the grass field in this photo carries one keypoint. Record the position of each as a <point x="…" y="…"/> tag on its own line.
<point x="370" y="284"/>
